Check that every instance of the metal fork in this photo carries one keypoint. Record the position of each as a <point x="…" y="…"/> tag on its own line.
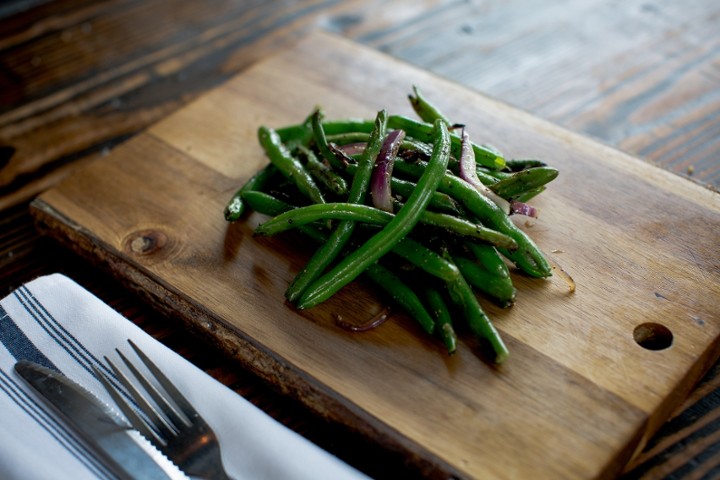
<point x="178" y="431"/>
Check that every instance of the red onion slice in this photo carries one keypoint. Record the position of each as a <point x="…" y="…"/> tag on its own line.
<point x="351" y="149"/>
<point x="371" y="324"/>
<point x="468" y="172"/>
<point x="521" y="208"/>
<point x="382" y="172"/>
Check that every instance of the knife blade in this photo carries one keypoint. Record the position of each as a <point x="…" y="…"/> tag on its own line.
<point x="121" y="448"/>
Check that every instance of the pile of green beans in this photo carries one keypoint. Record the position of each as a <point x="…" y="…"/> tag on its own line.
<point x="444" y="245"/>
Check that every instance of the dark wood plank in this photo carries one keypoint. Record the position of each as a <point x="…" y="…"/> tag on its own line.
<point x="84" y="77"/>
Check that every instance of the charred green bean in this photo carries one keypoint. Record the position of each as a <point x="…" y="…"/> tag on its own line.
<point x="367" y="214"/>
<point x="288" y="165"/>
<point x="379" y="244"/>
<point x="327" y="253"/>
<point x="236" y="207"/>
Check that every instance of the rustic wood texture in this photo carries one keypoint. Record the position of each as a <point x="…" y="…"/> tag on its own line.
<point x="78" y="78"/>
<point x="145" y="212"/>
<point x="90" y="74"/>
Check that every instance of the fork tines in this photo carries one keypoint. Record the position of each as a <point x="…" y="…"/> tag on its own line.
<point x="159" y="427"/>
<point x="166" y="418"/>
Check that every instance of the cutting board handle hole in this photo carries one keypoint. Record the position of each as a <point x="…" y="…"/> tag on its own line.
<point x="653" y="336"/>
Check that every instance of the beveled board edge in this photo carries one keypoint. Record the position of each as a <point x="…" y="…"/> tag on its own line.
<point x="213" y="331"/>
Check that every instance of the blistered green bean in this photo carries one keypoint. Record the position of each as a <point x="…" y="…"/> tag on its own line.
<point x="464" y="298"/>
<point x="327" y="253"/>
<point x="500" y="288"/>
<point x="515" y="165"/>
<point x="489" y="258"/>
<point x="367" y="214"/>
<point x="422" y="131"/>
<point x="402" y="294"/>
<point x="267" y="204"/>
<point x="458" y="288"/>
<point x="443" y="319"/>
<point x="439" y="201"/>
<point x="426" y="110"/>
<point x="323" y="173"/>
<point x="523" y="181"/>
<point x="288" y="165"/>
<point x="321" y="140"/>
<point x="528" y="256"/>
<point x="383" y="276"/>
<point x="379" y="244"/>
<point x="236" y="207"/>
<point x="361" y="138"/>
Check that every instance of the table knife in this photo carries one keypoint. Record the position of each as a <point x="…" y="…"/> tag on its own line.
<point x="121" y="448"/>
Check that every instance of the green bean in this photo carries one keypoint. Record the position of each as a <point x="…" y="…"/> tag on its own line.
<point x="267" y="204"/>
<point x="327" y="253"/>
<point x="486" y="156"/>
<point x="500" y="288"/>
<point x="367" y="214"/>
<point x="426" y="259"/>
<point x="485" y="177"/>
<point x="516" y="165"/>
<point x="426" y="110"/>
<point x="489" y="258"/>
<point x="459" y="289"/>
<point x="524" y="181"/>
<point x="361" y="137"/>
<point x="323" y="173"/>
<point x="464" y="298"/>
<point x="530" y="194"/>
<point x="484" y="233"/>
<point x="440" y="201"/>
<point x="333" y="127"/>
<point x="288" y="165"/>
<point x="443" y="320"/>
<point x="383" y="276"/>
<point x="402" y="294"/>
<point x="469" y="229"/>
<point x="528" y="256"/>
<point x="236" y="207"/>
<point x="303" y="132"/>
<point x="321" y="140"/>
<point x="348" y="137"/>
<point x="399" y="291"/>
<point x="380" y="243"/>
<point x="313" y="213"/>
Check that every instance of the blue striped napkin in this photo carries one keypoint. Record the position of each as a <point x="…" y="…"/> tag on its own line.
<point x="55" y="322"/>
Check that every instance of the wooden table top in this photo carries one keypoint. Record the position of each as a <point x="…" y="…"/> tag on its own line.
<point x="79" y="77"/>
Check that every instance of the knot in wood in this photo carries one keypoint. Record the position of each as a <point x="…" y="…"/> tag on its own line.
<point x="146" y="242"/>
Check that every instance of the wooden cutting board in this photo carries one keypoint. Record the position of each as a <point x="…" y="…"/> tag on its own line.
<point x="577" y="397"/>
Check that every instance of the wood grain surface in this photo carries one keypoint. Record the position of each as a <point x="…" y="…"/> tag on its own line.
<point x="78" y="77"/>
<point x="87" y="77"/>
<point x="146" y="213"/>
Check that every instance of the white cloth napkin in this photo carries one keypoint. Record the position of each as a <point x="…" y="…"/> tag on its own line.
<point x="55" y="322"/>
